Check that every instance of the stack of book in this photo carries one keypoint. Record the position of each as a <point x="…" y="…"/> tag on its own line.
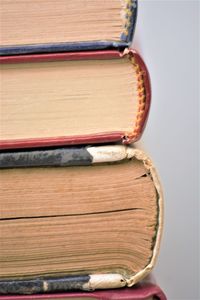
<point x="81" y="209"/>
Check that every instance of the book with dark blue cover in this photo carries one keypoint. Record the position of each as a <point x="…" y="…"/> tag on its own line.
<point x="78" y="25"/>
<point x="79" y="218"/>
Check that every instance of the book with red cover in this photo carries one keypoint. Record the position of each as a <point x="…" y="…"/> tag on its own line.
<point x="73" y="98"/>
<point x="141" y="291"/>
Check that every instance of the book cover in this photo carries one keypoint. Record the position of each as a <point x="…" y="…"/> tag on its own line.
<point x="78" y="227"/>
<point x="42" y="108"/>
<point x="66" y="26"/>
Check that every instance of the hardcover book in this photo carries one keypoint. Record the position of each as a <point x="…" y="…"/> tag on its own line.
<point x="41" y="26"/>
<point x="141" y="291"/>
<point x="77" y="218"/>
<point x="73" y="98"/>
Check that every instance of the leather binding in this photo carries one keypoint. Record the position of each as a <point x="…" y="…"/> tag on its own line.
<point x="144" y="99"/>
<point x="95" y="281"/>
<point x="141" y="291"/>
<point x="124" y="41"/>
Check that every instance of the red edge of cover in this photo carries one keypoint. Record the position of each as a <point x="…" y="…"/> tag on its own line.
<point x="84" y="55"/>
<point x="139" y="293"/>
<point x="83" y="139"/>
<point x="62" y="141"/>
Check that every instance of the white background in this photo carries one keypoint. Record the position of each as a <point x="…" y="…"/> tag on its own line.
<point x="167" y="37"/>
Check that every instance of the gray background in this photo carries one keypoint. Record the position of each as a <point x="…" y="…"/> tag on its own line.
<point x="167" y="37"/>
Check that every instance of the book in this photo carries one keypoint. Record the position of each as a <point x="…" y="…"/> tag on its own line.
<point x="73" y="98"/>
<point x="46" y="26"/>
<point x="87" y="227"/>
<point x="144" y="290"/>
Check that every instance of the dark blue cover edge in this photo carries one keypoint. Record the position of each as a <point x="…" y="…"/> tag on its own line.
<point x="61" y="47"/>
<point x="71" y="156"/>
<point x="43" y="285"/>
